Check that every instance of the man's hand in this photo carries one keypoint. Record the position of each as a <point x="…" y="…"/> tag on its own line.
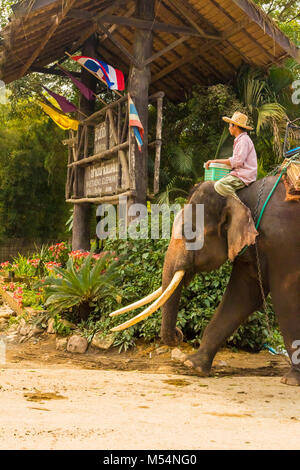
<point x="219" y="160"/>
<point x="208" y="163"/>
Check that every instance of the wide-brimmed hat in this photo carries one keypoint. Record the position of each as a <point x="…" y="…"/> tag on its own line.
<point x="239" y="119"/>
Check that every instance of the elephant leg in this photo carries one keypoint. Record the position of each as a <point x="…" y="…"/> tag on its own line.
<point x="285" y="294"/>
<point x="241" y="298"/>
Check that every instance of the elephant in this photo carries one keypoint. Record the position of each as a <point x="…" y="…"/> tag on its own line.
<point x="228" y="228"/>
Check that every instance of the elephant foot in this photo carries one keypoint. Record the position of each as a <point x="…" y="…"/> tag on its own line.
<point x="292" y="377"/>
<point x="174" y="339"/>
<point x="200" y="363"/>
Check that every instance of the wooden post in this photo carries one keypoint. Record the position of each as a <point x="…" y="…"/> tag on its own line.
<point x="82" y="212"/>
<point x="139" y="80"/>
<point x="158" y="143"/>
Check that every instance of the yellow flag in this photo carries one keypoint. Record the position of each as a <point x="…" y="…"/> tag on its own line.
<point x="61" y="120"/>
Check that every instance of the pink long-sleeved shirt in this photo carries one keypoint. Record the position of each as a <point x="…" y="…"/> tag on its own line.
<point x="244" y="159"/>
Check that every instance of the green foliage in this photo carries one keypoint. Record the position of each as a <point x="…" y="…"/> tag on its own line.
<point x="22" y="267"/>
<point x="60" y="327"/>
<point x="77" y="291"/>
<point x="140" y="274"/>
<point x="32" y="173"/>
<point x="285" y="13"/>
<point x="191" y="137"/>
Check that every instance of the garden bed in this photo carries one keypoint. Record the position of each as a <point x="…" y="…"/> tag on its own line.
<point x="83" y="288"/>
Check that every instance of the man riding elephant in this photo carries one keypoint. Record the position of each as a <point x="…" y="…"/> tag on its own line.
<point x="228" y="228"/>
<point x="243" y="161"/>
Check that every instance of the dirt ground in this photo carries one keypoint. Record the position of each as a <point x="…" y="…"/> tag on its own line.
<point x="143" y="400"/>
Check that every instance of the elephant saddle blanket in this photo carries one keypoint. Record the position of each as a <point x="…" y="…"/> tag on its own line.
<point x="292" y="180"/>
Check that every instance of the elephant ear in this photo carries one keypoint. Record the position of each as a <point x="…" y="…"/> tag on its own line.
<point x="239" y="225"/>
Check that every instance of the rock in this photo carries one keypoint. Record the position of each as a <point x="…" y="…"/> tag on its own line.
<point x="61" y="343"/>
<point x="12" y="337"/>
<point x="35" y="331"/>
<point x="3" y="324"/>
<point x="221" y="364"/>
<point x="50" y="328"/>
<point x="103" y="343"/>
<point x="5" y="314"/>
<point x="20" y="325"/>
<point x="6" y="311"/>
<point x="77" y="344"/>
<point x="24" y="330"/>
<point x="178" y="355"/>
<point x="162" y="350"/>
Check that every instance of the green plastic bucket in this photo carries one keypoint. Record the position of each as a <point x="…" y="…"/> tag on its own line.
<point x="216" y="171"/>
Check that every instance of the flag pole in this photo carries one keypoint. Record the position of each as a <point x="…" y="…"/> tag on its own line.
<point x="59" y="110"/>
<point x="95" y="75"/>
<point x="100" y="99"/>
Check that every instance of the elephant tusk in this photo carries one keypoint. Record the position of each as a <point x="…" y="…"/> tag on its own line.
<point x="139" y="303"/>
<point x="156" y="305"/>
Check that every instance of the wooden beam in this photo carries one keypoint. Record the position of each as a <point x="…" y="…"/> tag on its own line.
<point x="211" y="68"/>
<point x="119" y="46"/>
<point x="249" y="36"/>
<point x="128" y="13"/>
<point x="164" y="51"/>
<point x="269" y="27"/>
<point x="231" y="31"/>
<point x="162" y="27"/>
<point x="204" y="20"/>
<point x="102" y="199"/>
<point x="58" y="19"/>
<point x="186" y="12"/>
<point x="139" y="23"/>
<point x="101" y="155"/>
<point x="88" y="32"/>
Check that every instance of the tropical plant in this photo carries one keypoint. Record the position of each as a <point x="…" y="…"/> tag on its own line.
<point x="260" y="94"/>
<point x="142" y="273"/>
<point x="77" y="292"/>
<point x="60" y="327"/>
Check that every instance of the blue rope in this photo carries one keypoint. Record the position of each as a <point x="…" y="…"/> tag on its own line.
<point x="264" y="206"/>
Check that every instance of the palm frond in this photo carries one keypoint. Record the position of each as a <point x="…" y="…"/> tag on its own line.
<point x="224" y="136"/>
<point x="268" y="113"/>
<point x="73" y="288"/>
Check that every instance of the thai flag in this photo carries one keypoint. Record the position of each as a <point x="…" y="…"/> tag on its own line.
<point x="114" y="78"/>
<point x="135" y="122"/>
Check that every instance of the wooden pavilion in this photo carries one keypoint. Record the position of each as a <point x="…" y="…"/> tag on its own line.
<point x="164" y="47"/>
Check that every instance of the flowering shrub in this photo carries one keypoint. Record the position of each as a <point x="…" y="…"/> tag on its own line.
<point x="24" y="296"/>
<point x="33" y="262"/>
<point x="51" y="265"/>
<point x="6" y="266"/>
<point x="24" y="267"/>
<point x="59" y="252"/>
<point x="54" y="262"/>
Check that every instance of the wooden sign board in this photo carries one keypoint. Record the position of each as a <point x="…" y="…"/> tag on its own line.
<point x="103" y="157"/>
<point x="102" y="140"/>
<point x="101" y="178"/>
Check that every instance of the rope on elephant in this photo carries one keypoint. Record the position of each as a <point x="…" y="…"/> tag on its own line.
<point x="274" y="172"/>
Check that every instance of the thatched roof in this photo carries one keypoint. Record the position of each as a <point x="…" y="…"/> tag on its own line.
<point x="214" y="38"/>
